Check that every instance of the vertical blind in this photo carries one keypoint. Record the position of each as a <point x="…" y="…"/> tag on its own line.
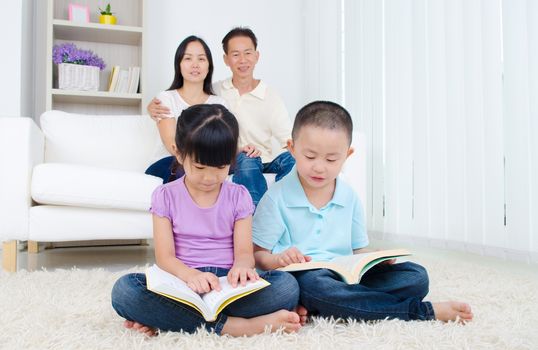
<point x="447" y="93"/>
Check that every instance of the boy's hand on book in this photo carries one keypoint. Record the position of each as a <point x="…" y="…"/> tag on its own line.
<point x="242" y="275"/>
<point x="388" y="262"/>
<point x="291" y="256"/>
<point x="203" y="282"/>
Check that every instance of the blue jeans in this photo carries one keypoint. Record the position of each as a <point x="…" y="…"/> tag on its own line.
<point x="393" y="291"/>
<point x="249" y="172"/>
<point x="133" y="301"/>
<point x="163" y="169"/>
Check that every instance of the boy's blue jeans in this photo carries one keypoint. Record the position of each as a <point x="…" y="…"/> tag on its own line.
<point x="132" y="301"/>
<point x="249" y="172"/>
<point x="385" y="291"/>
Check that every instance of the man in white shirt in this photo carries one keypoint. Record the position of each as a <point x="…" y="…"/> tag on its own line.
<point x="261" y="114"/>
<point x="260" y="111"/>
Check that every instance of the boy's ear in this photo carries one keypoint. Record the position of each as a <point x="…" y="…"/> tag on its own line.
<point x="289" y="145"/>
<point x="350" y="151"/>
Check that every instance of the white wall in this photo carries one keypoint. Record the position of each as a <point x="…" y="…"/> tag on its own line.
<point x="10" y="60"/>
<point x="278" y="24"/>
<point x="16" y="62"/>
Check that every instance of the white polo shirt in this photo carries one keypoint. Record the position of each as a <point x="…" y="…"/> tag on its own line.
<point x="261" y="115"/>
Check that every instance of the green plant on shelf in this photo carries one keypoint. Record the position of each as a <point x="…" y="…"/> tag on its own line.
<point x="106" y="11"/>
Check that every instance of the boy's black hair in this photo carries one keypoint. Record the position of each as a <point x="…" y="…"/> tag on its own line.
<point x="208" y="134"/>
<point x="180" y="52"/>
<point x="239" y="31"/>
<point x="323" y="114"/>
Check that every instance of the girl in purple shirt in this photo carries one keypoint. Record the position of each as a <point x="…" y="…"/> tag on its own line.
<point x="202" y="230"/>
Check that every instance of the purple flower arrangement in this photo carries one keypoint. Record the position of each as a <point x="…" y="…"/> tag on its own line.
<point x="69" y="53"/>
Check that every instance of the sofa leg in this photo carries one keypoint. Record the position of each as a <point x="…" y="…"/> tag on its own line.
<point x="9" y="256"/>
<point x="33" y="247"/>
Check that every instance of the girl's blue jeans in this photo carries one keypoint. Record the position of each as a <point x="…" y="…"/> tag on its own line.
<point x="249" y="172"/>
<point x="385" y="291"/>
<point x="133" y="301"/>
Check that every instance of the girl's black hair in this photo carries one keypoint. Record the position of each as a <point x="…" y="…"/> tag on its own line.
<point x="180" y="52"/>
<point x="208" y="134"/>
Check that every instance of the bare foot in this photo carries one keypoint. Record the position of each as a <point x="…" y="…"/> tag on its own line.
<point x="303" y="314"/>
<point x="148" y="331"/>
<point x="288" y="320"/>
<point x="452" y="311"/>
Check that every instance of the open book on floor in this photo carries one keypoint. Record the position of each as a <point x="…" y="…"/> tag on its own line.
<point x="350" y="268"/>
<point x="208" y="304"/>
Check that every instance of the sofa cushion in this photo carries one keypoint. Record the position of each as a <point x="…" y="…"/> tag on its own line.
<point x="85" y="186"/>
<point x="123" y="142"/>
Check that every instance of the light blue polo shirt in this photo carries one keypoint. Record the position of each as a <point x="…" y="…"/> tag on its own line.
<point x="285" y="218"/>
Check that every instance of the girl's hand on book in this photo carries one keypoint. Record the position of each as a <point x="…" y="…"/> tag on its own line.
<point x="291" y="256"/>
<point x="203" y="282"/>
<point x="242" y="275"/>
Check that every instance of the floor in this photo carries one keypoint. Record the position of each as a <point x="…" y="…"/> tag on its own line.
<point x="117" y="258"/>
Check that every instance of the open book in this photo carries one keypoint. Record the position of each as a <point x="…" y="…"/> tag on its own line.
<point x="208" y="304"/>
<point x="351" y="268"/>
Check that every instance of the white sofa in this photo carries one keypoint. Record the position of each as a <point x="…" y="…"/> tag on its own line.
<point x="81" y="177"/>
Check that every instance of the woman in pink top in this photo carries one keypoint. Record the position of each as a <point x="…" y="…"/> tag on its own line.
<point x="203" y="230"/>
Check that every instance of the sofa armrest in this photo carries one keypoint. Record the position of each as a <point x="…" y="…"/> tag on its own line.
<point x="21" y="148"/>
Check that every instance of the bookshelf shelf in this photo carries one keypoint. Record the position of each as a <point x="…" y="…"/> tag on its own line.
<point x="96" y="32"/>
<point x="96" y="97"/>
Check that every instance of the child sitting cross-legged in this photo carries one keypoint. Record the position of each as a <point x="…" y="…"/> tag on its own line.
<point x="311" y="214"/>
<point x="202" y="230"/>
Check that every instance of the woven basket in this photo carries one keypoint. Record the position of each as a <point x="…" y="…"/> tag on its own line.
<point x="78" y="77"/>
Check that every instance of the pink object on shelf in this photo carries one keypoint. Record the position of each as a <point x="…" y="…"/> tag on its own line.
<point x="79" y="13"/>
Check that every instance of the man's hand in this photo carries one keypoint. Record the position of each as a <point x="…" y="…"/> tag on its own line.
<point x="203" y="282"/>
<point x="157" y="111"/>
<point x="242" y="275"/>
<point x="251" y="151"/>
<point x="290" y="256"/>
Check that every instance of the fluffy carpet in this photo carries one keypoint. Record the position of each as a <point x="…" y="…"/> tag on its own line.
<point x="70" y="309"/>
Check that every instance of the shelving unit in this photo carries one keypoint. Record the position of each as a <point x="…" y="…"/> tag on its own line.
<point x="121" y="44"/>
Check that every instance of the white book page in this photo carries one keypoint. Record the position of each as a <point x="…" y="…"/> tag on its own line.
<point x="214" y="299"/>
<point x="164" y="282"/>
<point x="349" y="262"/>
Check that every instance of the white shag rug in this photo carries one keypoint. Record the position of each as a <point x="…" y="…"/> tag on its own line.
<point x="70" y="309"/>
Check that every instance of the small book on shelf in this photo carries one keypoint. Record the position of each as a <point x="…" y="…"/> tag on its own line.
<point x="123" y="81"/>
<point x="209" y="305"/>
<point x="113" y="79"/>
<point x="350" y="268"/>
<point x="134" y="78"/>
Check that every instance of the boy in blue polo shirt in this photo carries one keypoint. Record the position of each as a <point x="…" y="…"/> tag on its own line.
<point x="311" y="214"/>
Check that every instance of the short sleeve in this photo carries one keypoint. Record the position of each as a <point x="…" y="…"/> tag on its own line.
<point x="160" y="203"/>
<point x="243" y="205"/>
<point x="267" y="224"/>
<point x="166" y="100"/>
<point x="359" y="237"/>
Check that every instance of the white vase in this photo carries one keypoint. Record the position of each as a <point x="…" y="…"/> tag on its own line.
<point x="78" y="77"/>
